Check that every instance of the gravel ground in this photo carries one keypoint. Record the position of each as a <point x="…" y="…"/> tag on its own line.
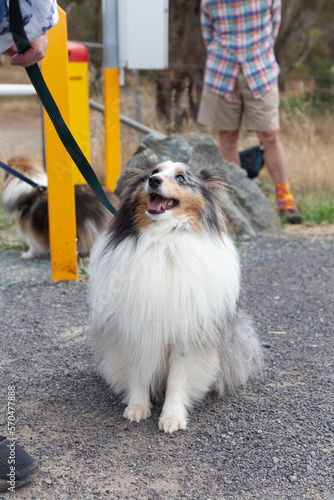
<point x="271" y="440"/>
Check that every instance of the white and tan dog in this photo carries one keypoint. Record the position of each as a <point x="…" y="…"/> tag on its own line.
<point x="28" y="206"/>
<point x="164" y="288"/>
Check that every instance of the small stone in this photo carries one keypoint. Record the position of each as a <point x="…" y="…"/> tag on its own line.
<point x="48" y="481"/>
<point x="275" y="460"/>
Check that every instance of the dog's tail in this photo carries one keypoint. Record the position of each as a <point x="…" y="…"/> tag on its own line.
<point x="240" y="353"/>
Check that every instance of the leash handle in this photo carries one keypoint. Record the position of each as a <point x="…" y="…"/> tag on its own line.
<point x="16" y="26"/>
<point x="65" y="135"/>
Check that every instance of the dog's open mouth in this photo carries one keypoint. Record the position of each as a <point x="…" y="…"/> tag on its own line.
<point x="157" y="204"/>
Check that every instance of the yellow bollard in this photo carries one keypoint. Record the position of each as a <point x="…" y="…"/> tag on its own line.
<point x="112" y="127"/>
<point x="79" y="96"/>
<point x="61" y="201"/>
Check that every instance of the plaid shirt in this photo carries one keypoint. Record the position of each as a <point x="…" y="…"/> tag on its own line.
<point x="239" y="36"/>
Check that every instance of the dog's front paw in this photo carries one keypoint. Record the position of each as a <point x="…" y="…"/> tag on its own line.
<point x="172" y="423"/>
<point x="137" y="412"/>
<point x="28" y="255"/>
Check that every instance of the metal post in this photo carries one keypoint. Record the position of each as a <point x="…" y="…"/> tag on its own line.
<point x="61" y="201"/>
<point x="138" y="98"/>
<point x="78" y="87"/>
<point x="110" y="32"/>
<point x="111" y="92"/>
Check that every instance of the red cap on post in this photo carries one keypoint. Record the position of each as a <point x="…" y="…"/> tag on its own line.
<point x="77" y="52"/>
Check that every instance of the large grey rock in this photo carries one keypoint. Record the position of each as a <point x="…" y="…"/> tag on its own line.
<point x="246" y="206"/>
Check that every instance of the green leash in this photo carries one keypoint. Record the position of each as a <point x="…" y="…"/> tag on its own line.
<point x="66" y="137"/>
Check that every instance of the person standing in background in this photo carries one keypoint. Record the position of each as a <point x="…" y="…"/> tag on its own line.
<point x="241" y="75"/>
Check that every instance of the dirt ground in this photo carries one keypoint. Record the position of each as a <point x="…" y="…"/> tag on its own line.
<point x="20" y="132"/>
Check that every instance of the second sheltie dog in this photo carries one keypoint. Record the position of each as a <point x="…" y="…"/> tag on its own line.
<point x="28" y="206"/>
<point x="164" y="288"/>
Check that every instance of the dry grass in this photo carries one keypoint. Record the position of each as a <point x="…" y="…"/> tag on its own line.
<point x="308" y="142"/>
<point x="309" y="151"/>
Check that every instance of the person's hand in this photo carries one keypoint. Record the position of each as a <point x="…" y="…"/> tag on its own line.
<point x="35" y="53"/>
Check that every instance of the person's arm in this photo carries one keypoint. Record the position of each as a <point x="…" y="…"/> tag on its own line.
<point x="276" y="18"/>
<point x="35" y="53"/>
<point x="38" y="17"/>
<point x="206" y="24"/>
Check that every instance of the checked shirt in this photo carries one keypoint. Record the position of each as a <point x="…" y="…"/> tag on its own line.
<point x="239" y="35"/>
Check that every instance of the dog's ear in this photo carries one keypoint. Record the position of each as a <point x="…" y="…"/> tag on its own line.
<point x="147" y="163"/>
<point x="212" y="179"/>
<point x="211" y="184"/>
<point x="141" y="172"/>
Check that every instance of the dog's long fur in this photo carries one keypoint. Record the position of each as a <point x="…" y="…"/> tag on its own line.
<point x="164" y="287"/>
<point x="28" y="206"/>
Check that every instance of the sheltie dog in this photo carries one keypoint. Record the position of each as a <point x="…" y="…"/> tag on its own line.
<point x="164" y="288"/>
<point x="28" y="206"/>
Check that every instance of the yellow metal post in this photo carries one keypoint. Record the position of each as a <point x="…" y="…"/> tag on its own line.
<point x="61" y="201"/>
<point x="79" y="96"/>
<point x="112" y="127"/>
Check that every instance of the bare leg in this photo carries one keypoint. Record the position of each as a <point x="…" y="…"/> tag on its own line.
<point x="274" y="156"/>
<point x="276" y="164"/>
<point x="189" y="379"/>
<point x="228" y="142"/>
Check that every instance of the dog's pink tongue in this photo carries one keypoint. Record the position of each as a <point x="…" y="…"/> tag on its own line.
<point x="158" y="202"/>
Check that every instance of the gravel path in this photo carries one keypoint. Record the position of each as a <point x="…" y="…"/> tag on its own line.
<point x="272" y="440"/>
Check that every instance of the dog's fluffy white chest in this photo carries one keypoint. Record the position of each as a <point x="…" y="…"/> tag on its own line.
<point x="165" y="288"/>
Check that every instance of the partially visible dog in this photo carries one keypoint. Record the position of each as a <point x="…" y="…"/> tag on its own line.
<point x="28" y="206"/>
<point x="164" y="288"/>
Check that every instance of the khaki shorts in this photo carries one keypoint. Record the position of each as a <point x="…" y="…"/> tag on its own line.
<point x="261" y="114"/>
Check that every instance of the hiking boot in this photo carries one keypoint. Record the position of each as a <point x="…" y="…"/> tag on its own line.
<point x="17" y="467"/>
<point x="291" y="216"/>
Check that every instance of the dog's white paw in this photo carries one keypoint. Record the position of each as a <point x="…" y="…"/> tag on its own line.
<point x="172" y="423"/>
<point x="137" y="412"/>
<point x="28" y="255"/>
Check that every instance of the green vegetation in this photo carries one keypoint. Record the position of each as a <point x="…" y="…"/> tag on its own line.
<point x="317" y="208"/>
<point x="4" y="222"/>
<point x="7" y="234"/>
<point x="292" y="104"/>
<point x="83" y="274"/>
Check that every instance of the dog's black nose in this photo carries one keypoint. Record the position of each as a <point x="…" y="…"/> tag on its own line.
<point x="154" y="181"/>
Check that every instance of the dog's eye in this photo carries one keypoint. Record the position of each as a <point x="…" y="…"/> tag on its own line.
<point x="156" y="171"/>
<point x="180" y="178"/>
